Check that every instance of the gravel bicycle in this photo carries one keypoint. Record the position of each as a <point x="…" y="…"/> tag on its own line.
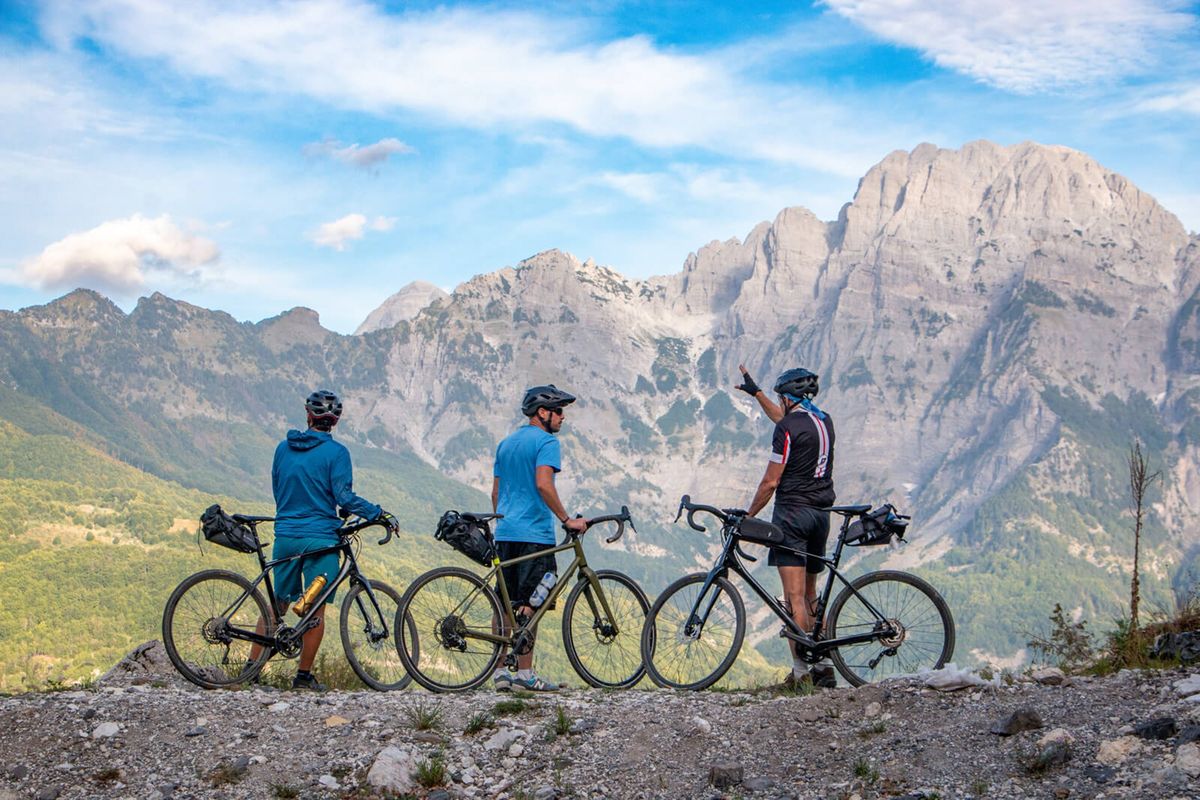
<point x="882" y="624"/>
<point x="215" y="618"/>
<point x="463" y="622"/>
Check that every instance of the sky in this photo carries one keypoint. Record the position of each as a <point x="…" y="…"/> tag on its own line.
<point x="257" y="156"/>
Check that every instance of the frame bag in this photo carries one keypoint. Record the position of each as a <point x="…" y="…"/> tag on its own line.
<point x="468" y="535"/>
<point x="220" y="528"/>
<point x="876" y="527"/>
<point x="759" y="531"/>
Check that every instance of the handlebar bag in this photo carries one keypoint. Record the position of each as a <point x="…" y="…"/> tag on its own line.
<point x="467" y="535"/>
<point x="876" y="527"/>
<point x="759" y="531"/>
<point x="222" y="529"/>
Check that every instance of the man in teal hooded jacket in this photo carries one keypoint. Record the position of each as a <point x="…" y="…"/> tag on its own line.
<point x="312" y="478"/>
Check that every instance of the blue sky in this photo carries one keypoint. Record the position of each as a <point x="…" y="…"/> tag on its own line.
<point x="256" y="156"/>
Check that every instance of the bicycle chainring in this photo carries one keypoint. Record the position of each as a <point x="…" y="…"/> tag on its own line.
<point x="288" y="641"/>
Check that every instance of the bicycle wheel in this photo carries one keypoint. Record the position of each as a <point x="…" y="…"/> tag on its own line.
<point x="678" y="652"/>
<point x="446" y="606"/>
<point x="369" y="638"/>
<point x="197" y="624"/>
<point x="606" y="652"/>
<point x="924" y="629"/>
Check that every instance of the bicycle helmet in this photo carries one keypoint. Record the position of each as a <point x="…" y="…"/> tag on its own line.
<point x="324" y="406"/>
<point x="549" y="396"/>
<point x="797" y="384"/>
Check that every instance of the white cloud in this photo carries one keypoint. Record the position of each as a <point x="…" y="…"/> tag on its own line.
<point x="1029" y="45"/>
<point x="364" y="156"/>
<point x="481" y="68"/>
<point x="119" y="255"/>
<point x="340" y="232"/>
<point x="1185" y="99"/>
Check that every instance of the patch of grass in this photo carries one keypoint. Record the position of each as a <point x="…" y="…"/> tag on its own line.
<point x="979" y="787"/>
<point x="423" y="716"/>
<point x="865" y="770"/>
<point x="874" y="729"/>
<point x="106" y="776"/>
<point x="562" y="722"/>
<point x="478" y="722"/>
<point x="505" y="708"/>
<point x="431" y="771"/>
<point x="282" y="791"/>
<point x="225" y="774"/>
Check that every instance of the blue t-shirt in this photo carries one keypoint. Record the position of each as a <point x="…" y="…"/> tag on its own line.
<point x="527" y="518"/>
<point x="311" y="477"/>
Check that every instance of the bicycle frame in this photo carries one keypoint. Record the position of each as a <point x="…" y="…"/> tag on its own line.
<point x="574" y="542"/>
<point x="811" y="648"/>
<point x="348" y="570"/>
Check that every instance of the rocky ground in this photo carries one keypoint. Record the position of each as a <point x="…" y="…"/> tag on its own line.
<point x="141" y="735"/>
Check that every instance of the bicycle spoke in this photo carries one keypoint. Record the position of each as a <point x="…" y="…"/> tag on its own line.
<point x="449" y="611"/>
<point x="605" y="651"/>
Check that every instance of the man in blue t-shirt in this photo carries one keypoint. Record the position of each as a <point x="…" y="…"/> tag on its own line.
<point x="523" y="491"/>
<point x="311" y="478"/>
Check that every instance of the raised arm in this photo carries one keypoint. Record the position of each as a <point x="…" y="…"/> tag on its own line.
<point x="769" y="406"/>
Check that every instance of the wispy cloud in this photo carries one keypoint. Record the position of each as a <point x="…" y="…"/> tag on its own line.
<point x="1029" y="45"/>
<point x="341" y="232"/>
<point x="364" y="156"/>
<point x="481" y="68"/>
<point x="118" y="256"/>
<point x="1183" y="98"/>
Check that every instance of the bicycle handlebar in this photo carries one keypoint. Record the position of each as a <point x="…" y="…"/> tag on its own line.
<point x="686" y="504"/>
<point x="620" y="519"/>
<point x="353" y="524"/>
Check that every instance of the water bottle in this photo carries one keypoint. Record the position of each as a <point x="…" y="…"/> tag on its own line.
<point x="310" y="594"/>
<point x="543" y="589"/>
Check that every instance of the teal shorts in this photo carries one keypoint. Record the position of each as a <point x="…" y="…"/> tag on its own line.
<point x="288" y="585"/>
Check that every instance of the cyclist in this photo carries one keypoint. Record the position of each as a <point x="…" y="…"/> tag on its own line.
<point x="312" y="477"/>
<point x="800" y="476"/>
<point x="523" y="491"/>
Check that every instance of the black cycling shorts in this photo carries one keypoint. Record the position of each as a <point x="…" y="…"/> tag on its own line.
<point x="805" y="529"/>
<point x="523" y="577"/>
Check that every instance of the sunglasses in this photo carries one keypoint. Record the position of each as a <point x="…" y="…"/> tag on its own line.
<point x="557" y="411"/>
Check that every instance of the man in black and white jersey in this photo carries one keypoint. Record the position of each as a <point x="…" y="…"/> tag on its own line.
<point x="799" y="475"/>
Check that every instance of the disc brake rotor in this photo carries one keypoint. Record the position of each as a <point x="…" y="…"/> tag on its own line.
<point x="897" y="638"/>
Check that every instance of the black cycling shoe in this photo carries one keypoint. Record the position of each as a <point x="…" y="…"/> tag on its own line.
<point x="308" y="683"/>
<point x="823" y="677"/>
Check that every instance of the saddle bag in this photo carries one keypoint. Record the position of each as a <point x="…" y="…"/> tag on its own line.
<point x="760" y="531"/>
<point x="876" y="527"/>
<point x="222" y="529"/>
<point x="470" y="536"/>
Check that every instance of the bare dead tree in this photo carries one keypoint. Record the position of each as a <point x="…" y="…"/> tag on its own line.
<point x="1140" y="479"/>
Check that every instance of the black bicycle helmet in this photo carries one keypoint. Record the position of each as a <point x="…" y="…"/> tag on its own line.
<point x="798" y="383"/>
<point x="324" y="406"/>
<point x="549" y="396"/>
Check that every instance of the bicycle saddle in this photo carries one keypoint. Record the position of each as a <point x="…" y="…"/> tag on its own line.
<point x="850" y="511"/>
<point x="244" y="518"/>
<point x="471" y="517"/>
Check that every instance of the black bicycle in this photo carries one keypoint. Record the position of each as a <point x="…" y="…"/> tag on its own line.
<point x="465" y="623"/>
<point x="219" y="631"/>
<point x="882" y="624"/>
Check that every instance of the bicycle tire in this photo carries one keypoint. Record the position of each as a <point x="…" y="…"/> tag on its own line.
<point x="374" y="658"/>
<point x="676" y="660"/>
<point x="928" y="627"/>
<point x="193" y="628"/>
<point x="614" y="660"/>
<point x="443" y="604"/>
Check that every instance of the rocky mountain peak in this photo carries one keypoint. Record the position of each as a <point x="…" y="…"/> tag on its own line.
<point x="83" y="308"/>
<point x="297" y="326"/>
<point x="402" y="306"/>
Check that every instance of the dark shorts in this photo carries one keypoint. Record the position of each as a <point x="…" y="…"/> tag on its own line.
<point x="292" y="577"/>
<point x="523" y="577"/>
<point x="806" y="529"/>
